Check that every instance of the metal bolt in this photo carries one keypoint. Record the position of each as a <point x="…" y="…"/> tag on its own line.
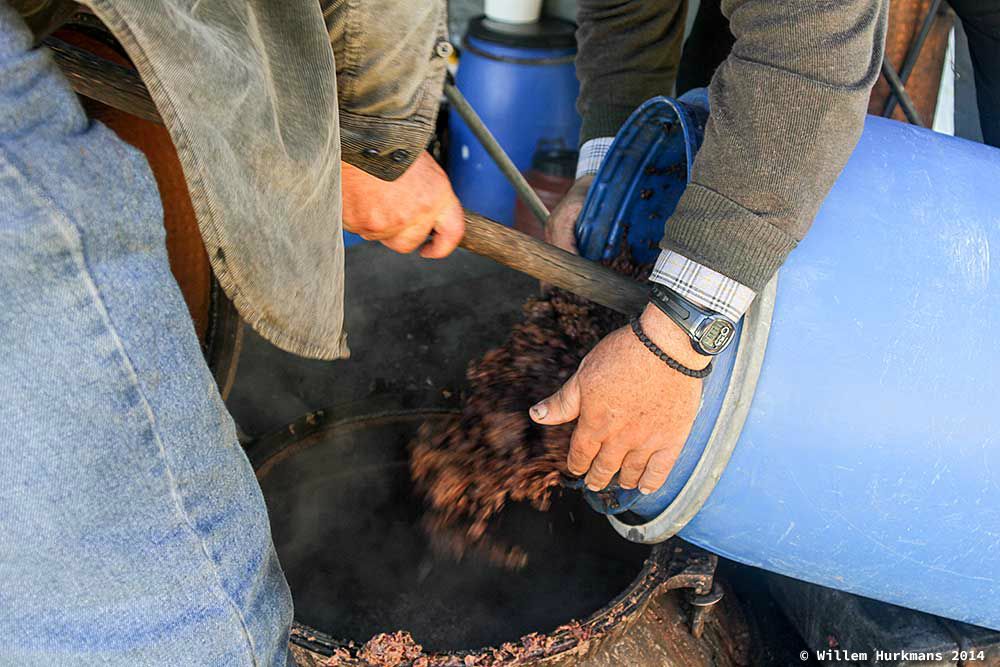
<point x="702" y="607"/>
<point x="443" y="49"/>
<point x="399" y="155"/>
<point x="370" y="152"/>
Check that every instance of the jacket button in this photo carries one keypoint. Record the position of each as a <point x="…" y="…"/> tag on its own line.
<point x="443" y="49"/>
<point x="370" y="152"/>
<point x="399" y="155"/>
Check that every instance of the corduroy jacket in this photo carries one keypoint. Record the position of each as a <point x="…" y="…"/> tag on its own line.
<point x="262" y="110"/>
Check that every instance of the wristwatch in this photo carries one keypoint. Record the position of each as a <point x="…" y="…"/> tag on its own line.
<point x="710" y="333"/>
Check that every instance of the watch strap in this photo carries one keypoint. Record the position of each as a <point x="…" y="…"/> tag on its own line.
<point x="700" y="325"/>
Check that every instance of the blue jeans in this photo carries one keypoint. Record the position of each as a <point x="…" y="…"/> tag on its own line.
<point x="132" y="529"/>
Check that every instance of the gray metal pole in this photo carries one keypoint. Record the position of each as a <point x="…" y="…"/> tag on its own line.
<point x="909" y="109"/>
<point x="911" y="56"/>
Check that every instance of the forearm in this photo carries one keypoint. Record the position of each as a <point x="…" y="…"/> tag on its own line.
<point x="788" y="107"/>
<point x="628" y="52"/>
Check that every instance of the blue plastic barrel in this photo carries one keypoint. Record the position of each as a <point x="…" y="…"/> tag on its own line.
<point x="351" y="239"/>
<point x="521" y="81"/>
<point x="851" y="438"/>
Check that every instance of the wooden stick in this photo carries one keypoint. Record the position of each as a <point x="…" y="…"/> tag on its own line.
<point x="103" y="80"/>
<point x="553" y="265"/>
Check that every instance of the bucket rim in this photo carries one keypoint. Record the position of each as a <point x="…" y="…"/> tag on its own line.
<point x="667" y="567"/>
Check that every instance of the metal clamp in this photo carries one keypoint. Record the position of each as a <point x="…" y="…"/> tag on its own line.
<point x="702" y="606"/>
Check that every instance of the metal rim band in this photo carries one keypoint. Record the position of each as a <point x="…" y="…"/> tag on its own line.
<point x="725" y="434"/>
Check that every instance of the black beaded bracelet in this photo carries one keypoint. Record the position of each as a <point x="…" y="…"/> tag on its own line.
<point x="664" y="357"/>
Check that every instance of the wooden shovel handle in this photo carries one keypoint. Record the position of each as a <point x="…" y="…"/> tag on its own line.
<point x="553" y="265"/>
<point x="122" y="88"/>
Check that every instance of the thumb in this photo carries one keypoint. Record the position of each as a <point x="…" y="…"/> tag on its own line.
<point x="561" y="407"/>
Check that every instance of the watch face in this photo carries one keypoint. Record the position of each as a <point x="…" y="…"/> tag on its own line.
<point x="717" y="335"/>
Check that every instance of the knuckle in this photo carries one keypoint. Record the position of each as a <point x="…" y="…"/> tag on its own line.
<point x="627" y="480"/>
<point x="658" y="467"/>
<point x="603" y="468"/>
<point x="651" y="475"/>
<point x="452" y="229"/>
<point x="409" y="245"/>
<point x="562" y="401"/>
<point x="584" y="442"/>
<point x="578" y="462"/>
<point x="579" y="458"/>
<point x="633" y="467"/>
<point x="377" y="226"/>
<point x="595" y="423"/>
<point x="596" y="478"/>
<point x="596" y="483"/>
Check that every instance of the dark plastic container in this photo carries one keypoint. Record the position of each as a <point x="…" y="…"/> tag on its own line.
<point x="551" y="176"/>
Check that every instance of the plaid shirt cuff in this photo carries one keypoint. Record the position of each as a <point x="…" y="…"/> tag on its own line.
<point x="591" y="155"/>
<point x="701" y="285"/>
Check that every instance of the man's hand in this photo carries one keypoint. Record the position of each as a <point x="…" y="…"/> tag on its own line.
<point x="560" y="229"/>
<point x="402" y="213"/>
<point x="634" y="411"/>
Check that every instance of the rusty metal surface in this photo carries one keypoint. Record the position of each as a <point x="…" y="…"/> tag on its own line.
<point x="660" y="637"/>
<point x="657" y="637"/>
<point x="905" y="19"/>
<point x="653" y="604"/>
<point x="702" y="607"/>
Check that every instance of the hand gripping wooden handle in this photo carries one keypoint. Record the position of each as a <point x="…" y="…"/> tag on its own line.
<point x="553" y="265"/>
<point x="121" y="88"/>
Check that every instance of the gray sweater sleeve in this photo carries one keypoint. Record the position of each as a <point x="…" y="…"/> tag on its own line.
<point x="787" y="110"/>
<point x="628" y="53"/>
<point x="788" y="107"/>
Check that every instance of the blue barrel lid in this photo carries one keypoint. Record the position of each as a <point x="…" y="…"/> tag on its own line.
<point x="642" y="178"/>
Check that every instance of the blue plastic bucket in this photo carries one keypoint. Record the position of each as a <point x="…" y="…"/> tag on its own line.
<point x="521" y="80"/>
<point x="851" y="437"/>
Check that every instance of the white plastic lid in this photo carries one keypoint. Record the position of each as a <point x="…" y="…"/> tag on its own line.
<point x="514" y="11"/>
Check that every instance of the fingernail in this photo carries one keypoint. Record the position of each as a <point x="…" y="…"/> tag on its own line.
<point x="593" y="487"/>
<point x="626" y="486"/>
<point x="645" y="490"/>
<point x="539" y="411"/>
